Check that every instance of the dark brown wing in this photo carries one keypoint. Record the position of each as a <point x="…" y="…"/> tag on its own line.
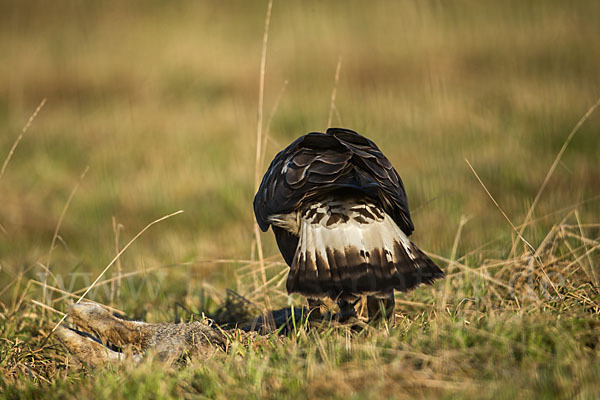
<point x="339" y="160"/>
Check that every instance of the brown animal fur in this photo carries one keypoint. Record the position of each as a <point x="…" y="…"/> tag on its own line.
<point x="167" y="341"/>
<point x="97" y="330"/>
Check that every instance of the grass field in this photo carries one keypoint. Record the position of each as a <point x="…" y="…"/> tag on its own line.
<point x="151" y="107"/>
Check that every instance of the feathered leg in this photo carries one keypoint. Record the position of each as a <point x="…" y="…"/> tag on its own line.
<point x="376" y="305"/>
<point x="347" y="309"/>
<point x="314" y="309"/>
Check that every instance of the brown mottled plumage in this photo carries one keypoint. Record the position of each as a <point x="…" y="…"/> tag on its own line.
<point x="340" y="216"/>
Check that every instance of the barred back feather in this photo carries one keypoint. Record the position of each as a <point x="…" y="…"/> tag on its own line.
<point x="340" y="217"/>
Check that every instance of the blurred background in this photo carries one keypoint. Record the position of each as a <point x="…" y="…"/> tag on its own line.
<point x="160" y="99"/>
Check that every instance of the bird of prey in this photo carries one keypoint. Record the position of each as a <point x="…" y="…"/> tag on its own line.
<point x="340" y="216"/>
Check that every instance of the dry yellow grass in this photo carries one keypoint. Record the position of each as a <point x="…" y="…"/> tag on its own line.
<point x="160" y="101"/>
